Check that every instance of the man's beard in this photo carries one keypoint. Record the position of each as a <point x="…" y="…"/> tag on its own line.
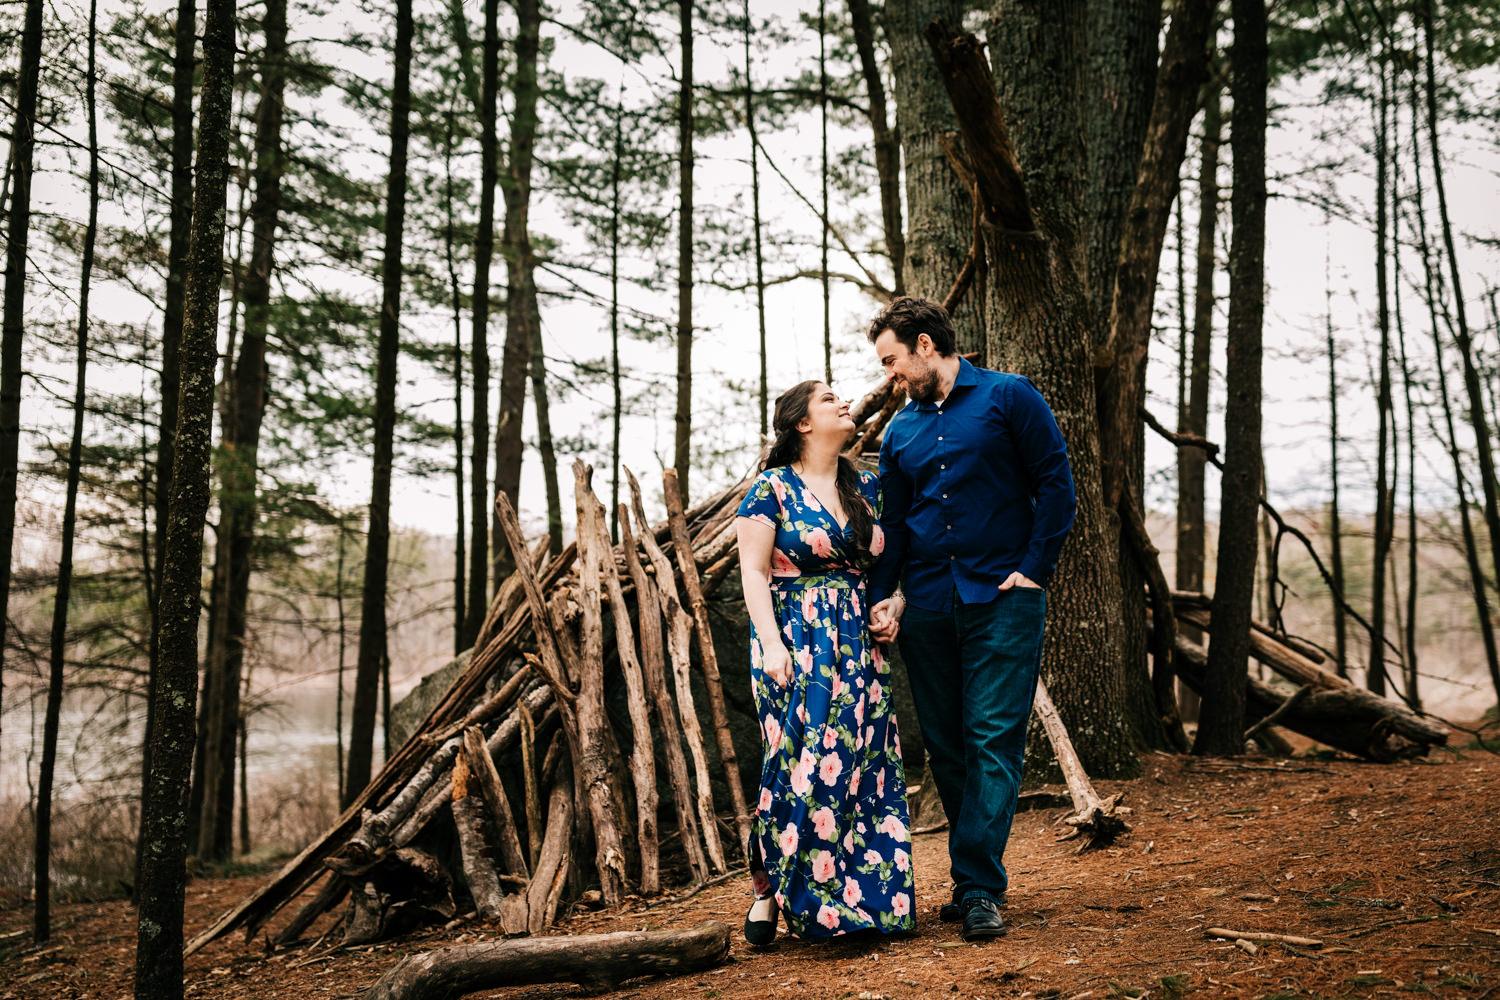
<point x="922" y="388"/>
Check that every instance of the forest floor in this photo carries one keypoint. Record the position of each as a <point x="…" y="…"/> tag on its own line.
<point x="1395" y="869"/>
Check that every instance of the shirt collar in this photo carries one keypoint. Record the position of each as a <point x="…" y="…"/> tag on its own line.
<point x="965" y="378"/>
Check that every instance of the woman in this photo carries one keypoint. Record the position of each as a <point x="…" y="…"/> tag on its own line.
<point x="829" y="846"/>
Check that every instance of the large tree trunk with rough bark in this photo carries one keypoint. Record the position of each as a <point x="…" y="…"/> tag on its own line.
<point x="372" y="623"/>
<point x="164" y="810"/>
<point x="1038" y="325"/>
<point x="238" y="458"/>
<point x="1221" y="724"/>
<point x="887" y="143"/>
<point x="940" y="207"/>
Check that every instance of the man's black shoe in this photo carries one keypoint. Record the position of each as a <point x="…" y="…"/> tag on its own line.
<point x="952" y="911"/>
<point x="982" y="919"/>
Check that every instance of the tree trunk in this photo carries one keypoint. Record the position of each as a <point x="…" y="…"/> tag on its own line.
<point x="1472" y="382"/>
<point x="1191" y="530"/>
<point x="1038" y="316"/>
<point x="823" y="179"/>
<point x="18" y="225"/>
<point x="940" y="207"/>
<point x="764" y="397"/>
<point x="1409" y="627"/>
<point x="617" y="415"/>
<point x="484" y="247"/>
<point x="460" y="576"/>
<point x="887" y="145"/>
<point x="1335" y="529"/>
<point x="520" y="266"/>
<point x="372" y="623"/>
<point x="1135" y="238"/>
<point x="42" y="918"/>
<point x="183" y="64"/>
<point x="239" y="458"/>
<point x="1385" y="523"/>
<point x="1431" y="282"/>
<point x="682" y="450"/>
<point x="163" y="880"/>
<point x="1221" y="724"/>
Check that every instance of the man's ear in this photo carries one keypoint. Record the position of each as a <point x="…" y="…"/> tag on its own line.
<point x="923" y="340"/>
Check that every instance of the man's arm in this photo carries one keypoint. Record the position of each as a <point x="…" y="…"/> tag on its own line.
<point x="896" y="491"/>
<point x="1044" y="456"/>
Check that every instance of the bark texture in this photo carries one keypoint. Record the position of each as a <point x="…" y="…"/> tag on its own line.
<point x="520" y="265"/>
<point x="238" y="457"/>
<point x="940" y="207"/>
<point x="1038" y="326"/>
<point x="1221" y="724"/>
<point x="164" y="814"/>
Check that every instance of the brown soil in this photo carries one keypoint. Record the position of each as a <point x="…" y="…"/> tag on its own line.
<point x="1395" y="869"/>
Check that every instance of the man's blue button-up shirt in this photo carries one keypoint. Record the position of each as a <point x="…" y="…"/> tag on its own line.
<point x="974" y="489"/>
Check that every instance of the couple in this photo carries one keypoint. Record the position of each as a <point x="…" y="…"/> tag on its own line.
<point x="946" y="552"/>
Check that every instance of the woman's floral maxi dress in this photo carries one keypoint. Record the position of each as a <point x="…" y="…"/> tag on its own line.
<point x="831" y="822"/>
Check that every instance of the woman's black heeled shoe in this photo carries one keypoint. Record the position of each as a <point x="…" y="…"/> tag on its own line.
<point x="761" y="932"/>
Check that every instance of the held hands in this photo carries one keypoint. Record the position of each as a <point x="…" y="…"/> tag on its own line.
<point x="777" y="663"/>
<point x="885" y="618"/>
<point x="1018" y="580"/>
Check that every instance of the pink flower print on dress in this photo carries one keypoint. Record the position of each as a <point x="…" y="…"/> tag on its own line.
<point x="854" y="601"/>
<point x="852" y="895"/>
<point x="809" y="501"/>
<point x="765" y="800"/>
<point x="830" y="737"/>
<point x="900" y="904"/>
<point x="903" y="860"/>
<point x="788" y="840"/>
<point x="839" y="687"/>
<point x="781" y="565"/>
<point x="802" y="713"/>
<point x="872" y="857"/>
<point x="875" y="692"/>
<point x="849" y="842"/>
<point x="809" y="606"/>
<point x="859" y="712"/>
<point x="880" y="784"/>
<point x="893" y="828"/>
<point x="805" y="660"/>
<point x="823" y="824"/>
<point x="820" y="543"/>
<point x="771" y="729"/>
<point x="877" y="540"/>
<point x="854" y="777"/>
<point x="823" y="867"/>
<point x="828" y="916"/>
<point x="877" y="656"/>
<point x="780" y="488"/>
<point x="830" y="769"/>
<point x="802" y="773"/>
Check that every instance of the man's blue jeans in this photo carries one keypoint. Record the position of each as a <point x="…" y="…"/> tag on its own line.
<point x="973" y="676"/>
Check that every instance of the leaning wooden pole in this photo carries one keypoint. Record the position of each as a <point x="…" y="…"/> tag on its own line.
<point x="679" y="636"/>
<point x="1097" y="819"/>
<point x="708" y="658"/>
<point x="642" y="753"/>
<point x="654" y="667"/>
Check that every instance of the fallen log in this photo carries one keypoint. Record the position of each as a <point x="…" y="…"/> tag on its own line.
<point x="1348" y="718"/>
<point x="597" y="962"/>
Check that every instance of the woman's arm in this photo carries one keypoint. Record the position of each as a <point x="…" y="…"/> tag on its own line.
<point x="756" y="540"/>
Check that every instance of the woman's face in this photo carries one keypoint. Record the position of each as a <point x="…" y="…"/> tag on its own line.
<point x="827" y="415"/>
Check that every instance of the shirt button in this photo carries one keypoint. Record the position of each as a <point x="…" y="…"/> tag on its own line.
<point x="950" y="527"/>
<point x="940" y="437"/>
<point x="951" y="557"/>
<point x="945" y="496"/>
<point x="942" y="467"/>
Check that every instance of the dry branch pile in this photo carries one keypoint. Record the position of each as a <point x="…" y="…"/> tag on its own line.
<point x="528" y="714"/>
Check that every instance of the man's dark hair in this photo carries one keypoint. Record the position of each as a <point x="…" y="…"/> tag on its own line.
<point x="910" y="316"/>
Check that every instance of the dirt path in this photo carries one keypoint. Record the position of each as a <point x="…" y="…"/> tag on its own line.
<point x="1396" y="869"/>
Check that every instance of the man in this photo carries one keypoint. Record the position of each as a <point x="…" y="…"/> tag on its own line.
<point x="978" y="500"/>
